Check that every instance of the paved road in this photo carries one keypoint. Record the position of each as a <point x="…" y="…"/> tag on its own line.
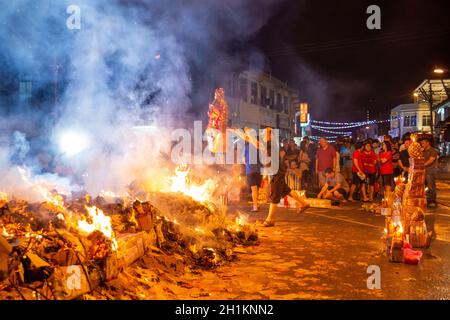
<point x="320" y="254"/>
<point x="324" y="254"/>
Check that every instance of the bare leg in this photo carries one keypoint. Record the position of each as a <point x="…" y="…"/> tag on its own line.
<point x="371" y="191"/>
<point x="255" y="197"/>
<point x="272" y="210"/>
<point x="298" y="198"/>
<point x="363" y="191"/>
<point x="352" y="191"/>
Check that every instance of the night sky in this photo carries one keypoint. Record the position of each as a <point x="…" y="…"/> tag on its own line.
<point x="324" y="49"/>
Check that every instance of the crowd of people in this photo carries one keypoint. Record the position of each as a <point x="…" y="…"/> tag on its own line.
<point x="345" y="171"/>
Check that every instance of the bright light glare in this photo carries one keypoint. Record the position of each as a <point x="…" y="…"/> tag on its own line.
<point x="438" y="70"/>
<point x="72" y="143"/>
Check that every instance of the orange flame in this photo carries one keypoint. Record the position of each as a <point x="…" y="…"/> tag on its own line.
<point x="100" y="222"/>
<point x="43" y="190"/>
<point x="181" y="183"/>
<point x="5" y="233"/>
<point x="3" y="196"/>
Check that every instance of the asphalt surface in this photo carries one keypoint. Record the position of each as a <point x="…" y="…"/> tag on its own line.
<point x="325" y="254"/>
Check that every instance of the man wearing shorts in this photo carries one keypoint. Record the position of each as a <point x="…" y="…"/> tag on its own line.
<point x="358" y="172"/>
<point x="335" y="188"/>
<point x="278" y="187"/>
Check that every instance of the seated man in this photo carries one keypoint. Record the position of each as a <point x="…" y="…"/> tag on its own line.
<point x="336" y="187"/>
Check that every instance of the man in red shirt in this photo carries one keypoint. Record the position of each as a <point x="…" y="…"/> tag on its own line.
<point x="358" y="173"/>
<point x="325" y="158"/>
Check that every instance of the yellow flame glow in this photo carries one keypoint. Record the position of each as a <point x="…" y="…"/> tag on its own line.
<point x="100" y="222"/>
<point x="3" y="196"/>
<point x="5" y="233"/>
<point x="181" y="183"/>
<point x="43" y="190"/>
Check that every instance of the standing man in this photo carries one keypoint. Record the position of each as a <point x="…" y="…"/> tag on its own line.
<point x="326" y="158"/>
<point x="347" y="150"/>
<point x="278" y="187"/>
<point x="430" y="155"/>
<point x="311" y="151"/>
<point x="376" y="147"/>
<point x="403" y="161"/>
<point x="358" y="173"/>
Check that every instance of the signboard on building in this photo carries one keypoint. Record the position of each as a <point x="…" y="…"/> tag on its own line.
<point x="303" y="112"/>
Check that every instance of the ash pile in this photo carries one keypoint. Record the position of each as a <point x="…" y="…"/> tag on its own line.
<point x="66" y="249"/>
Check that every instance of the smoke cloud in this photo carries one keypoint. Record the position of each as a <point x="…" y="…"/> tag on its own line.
<point x="130" y="64"/>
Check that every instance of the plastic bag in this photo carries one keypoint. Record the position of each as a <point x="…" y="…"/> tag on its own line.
<point x="411" y="256"/>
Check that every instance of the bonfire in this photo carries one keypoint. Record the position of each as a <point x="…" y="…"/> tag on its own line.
<point x="66" y="246"/>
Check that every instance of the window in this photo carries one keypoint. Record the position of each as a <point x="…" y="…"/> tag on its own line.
<point x="263" y="97"/>
<point x="406" y="121"/>
<point x="272" y="99"/>
<point x="426" y="120"/>
<point x="286" y="104"/>
<point x="279" y="102"/>
<point x="243" y="89"/>
<point x="413" y="120"/>
<point x="394" y="122"/>
<point x="254" y="93"/>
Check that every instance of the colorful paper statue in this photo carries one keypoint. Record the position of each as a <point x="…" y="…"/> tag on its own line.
<point x="218" y="122"/>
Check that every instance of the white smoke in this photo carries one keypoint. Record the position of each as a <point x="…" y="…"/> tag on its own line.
<point x="131" y="63"/>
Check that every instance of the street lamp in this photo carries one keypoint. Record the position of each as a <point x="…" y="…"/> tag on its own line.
<point x="440" y="70"/>
<point x="437" y="71"/>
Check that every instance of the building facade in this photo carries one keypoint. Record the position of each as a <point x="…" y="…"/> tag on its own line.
<point x="411" y="117"/>
<point x="258" y="100"/>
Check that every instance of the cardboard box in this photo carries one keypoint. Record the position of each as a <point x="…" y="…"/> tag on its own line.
<point x="71" y="282"/>
<point x="5" y="250"/>
<point x="130" y="247"/>
<point x="112" y="267"/>
<point x="319" y="203"/>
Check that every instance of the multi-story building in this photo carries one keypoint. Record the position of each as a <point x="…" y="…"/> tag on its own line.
<point x="259" y="100"/>
<point x="410" y="117"/>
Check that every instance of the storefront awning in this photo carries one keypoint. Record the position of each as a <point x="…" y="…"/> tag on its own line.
<point x="433" y="90"/>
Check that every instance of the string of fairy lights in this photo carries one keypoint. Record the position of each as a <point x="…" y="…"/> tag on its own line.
<point x="334" y="128"/>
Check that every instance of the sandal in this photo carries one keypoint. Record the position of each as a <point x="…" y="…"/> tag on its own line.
<point x="268" y="224"/>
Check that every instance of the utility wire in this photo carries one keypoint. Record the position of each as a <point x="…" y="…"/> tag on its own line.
<point x="388" y="36"/>
<point x="295" y="50"/>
